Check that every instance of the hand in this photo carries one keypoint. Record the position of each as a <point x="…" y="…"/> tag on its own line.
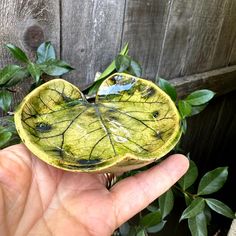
<point x="37" y="199"/>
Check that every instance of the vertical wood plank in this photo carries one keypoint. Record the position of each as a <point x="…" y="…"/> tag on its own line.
<point x="225" y="53"/>
<point x="91" y="35"/>
<point x="144" y="27"/>
<point x="27" y="23"/>
<point x="232" y="59"/>
<point x="192" y="36"/>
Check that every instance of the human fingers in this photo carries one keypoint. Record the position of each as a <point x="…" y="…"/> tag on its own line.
<point x="134" y="193"/>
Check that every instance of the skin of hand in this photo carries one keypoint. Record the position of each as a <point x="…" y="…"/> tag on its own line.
<point x="38" y="199"/>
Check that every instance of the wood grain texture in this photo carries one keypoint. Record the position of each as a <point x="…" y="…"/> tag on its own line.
<point x="27" y="23"/>
<point x="193" y="33"/>
<point x="91" y="36"/>
<point x="232" y="59"/>
<point x="225" y="52"/>
<point x="144" y="27"/>
<point x="220" y="81"/>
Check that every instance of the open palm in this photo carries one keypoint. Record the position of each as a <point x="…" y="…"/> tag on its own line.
<point x="37" y="199"/>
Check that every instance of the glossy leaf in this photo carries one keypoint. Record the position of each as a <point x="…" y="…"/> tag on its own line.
<point x="7" y="125"/>
<point x="152" y="208"/>
<point x="55" y="67"/>
<point x="200" y="97"/>
<point x="207" y="212"/>
<point x="5" y="100"/>
<point x="124" y="229"/>
<point x="92" y="89"/>
<point x="111" y="68"/>
<point x="4" y="138"/>
<point x="212" y="181"/>
<point x="220" y="207"/>
<point x="142" y="232"/>
<point x="197" y="109"/>
<point x="151" y="219"/>
<point x="184" y="108"/>
<point x="18" y="77"/>
<point x="190" y="177"/>
<point x="131" y="123"/>
<point x="34" y="71"/>
<point x="122" y="63"/>
<point x="184" y="125"/>
<point x="166" y="203"/>
<point x="45" y="52"/>
<point x="17" y="53"/>
<point x="196" y="206"/>
<point x="187" y="199"/>
<point x="135" y="68"/>
<point x="7" y="73"/>
<point x="168" y="88"/>
<point x="198" y="225"/>
<point x="156" y="228"/>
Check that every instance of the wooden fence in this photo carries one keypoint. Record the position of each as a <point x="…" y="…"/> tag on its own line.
<point x="189" y="42"/>
<point x="172" y="39"/>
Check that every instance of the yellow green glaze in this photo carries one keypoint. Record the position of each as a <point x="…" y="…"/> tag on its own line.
<point x="131" y="123"/>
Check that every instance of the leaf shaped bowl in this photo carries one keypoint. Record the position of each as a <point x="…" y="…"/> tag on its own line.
<point x="131" y="124"/>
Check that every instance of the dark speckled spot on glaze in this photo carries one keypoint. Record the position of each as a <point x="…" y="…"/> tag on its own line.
<point x="57" y="152"/>
<point x="158" y="135"/>
<point x="43" y="127"/>
<point x="89" y="162"/>
<point x="155" y="114"/>
<point x="148" y="93"/>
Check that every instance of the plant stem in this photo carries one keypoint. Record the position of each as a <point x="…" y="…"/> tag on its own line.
<point x="185" y="192"/>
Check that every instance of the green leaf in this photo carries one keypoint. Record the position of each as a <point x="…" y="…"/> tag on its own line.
<point x="220" y="207"/>
<point x="4" y="138"/>
<point x="92" y="89"/>
<point x="212" y="181"/>
<point x="135" y="69"/>
<point x="152" y="208"/>
<point x="196" y="206"/>
<point x="156" y="228"/>
<point x="17" y="53"/>
<point x="35" y="71"/>
<point x="184" y="125"/>
<point x="151" y="219"/>
<point x="198" y="225"/>
<point x="19" y="76"/>
<point x="125" y="50"/>
<point x="166" y="203"/>
<point x="7" y="73"/>
<point x="168" y="88"/>
<point x="45" y="52"/>
<point x="190" y="177"/>
<point x="36" y="84"/>
<point x="200" y="97"/>
<point x="124" y="229"/>
<point x="122" y="63"/>
<point x="207" y="212"/>
<point x="142" y="232"/>
<point x="187" y="199"/>
<point x="55" y="67"/>
<point x="111" y="68"/>
<point x="5" y="100"/>
<point x="184" y="108"/>
<point x="197" y="109"/>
